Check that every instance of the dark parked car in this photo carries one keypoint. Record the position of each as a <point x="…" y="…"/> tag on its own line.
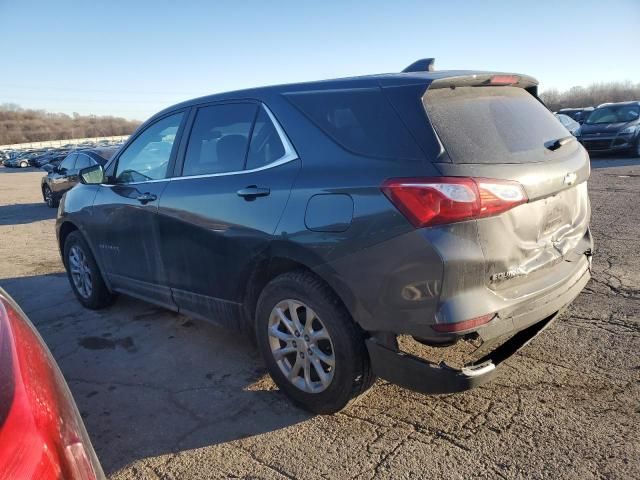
<point x="569" y="123"/>
<point x="64" y="176"/>
<point x="54" y="158"/>
<point x="577" y="114"/>
<point x="613" y="127"/>
<point x="41" y="432"/>
<point x="331" y="218"/>
<point x="22" y="159"/>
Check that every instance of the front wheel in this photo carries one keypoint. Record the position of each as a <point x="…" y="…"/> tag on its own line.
<point x="49" y="198"/>
<point x="312" y="348"/>
<point x="84" y="275"/>
<point x="24" y="164"/>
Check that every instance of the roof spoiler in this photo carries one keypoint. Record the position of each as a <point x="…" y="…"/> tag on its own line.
<point x="422" y="65"/>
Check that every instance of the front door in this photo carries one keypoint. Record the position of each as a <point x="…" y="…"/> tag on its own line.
<point x="124" y="215"/>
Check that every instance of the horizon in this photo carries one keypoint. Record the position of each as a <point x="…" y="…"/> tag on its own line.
<point x="139" y="59"/>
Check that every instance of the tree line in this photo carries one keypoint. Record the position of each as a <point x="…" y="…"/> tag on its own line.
<point x="19" y="125"/>
<point x="591" y="96"/>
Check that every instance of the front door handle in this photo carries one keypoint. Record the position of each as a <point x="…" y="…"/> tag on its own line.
<point x="252" y="192"/>
<point x="146" y="198"/>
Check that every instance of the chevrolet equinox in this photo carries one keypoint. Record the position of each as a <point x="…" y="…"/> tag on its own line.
<point x="354" y="226"/>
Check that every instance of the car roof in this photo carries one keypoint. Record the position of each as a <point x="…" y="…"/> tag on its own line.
<point x="364" y="81"/>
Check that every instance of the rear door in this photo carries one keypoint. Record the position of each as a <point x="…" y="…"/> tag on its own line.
<point x="124" y="228"/>
<point x="504" y="132"/>
<point x="217" y="217"/>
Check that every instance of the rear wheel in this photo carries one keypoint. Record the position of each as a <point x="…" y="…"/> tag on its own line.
<point x="23" y="164"/>
<point x="312" y="348"/>
<point x="84" y="275"/>
<point x="49" y="198"/>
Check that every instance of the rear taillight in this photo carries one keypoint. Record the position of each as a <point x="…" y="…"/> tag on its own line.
<point x="41" y="433"/>
<point x="439" y="200"/>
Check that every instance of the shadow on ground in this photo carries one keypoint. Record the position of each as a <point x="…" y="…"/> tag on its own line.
<point x="150" y="382"/>
<point x="21" y="170"/>
<point x="23" y="213"/>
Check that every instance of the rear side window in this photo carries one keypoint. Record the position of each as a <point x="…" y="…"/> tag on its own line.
<point x="360" y="120"/>
<point x="219" y="139"/>
<point x="492" y="124"/>
<point x="69" y="161"/>
<point x="83" y="161"/>
<point x="266" y="146"/>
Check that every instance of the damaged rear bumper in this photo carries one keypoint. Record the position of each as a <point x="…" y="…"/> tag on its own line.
<point x="416" y="374"/>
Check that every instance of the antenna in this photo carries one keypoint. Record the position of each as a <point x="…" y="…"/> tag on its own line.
<point x="422" y="65"/>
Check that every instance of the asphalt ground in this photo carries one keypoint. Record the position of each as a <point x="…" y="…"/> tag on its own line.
<point x="165" y="396"/>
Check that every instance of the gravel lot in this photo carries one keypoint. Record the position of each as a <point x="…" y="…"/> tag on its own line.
<point x="164" y="396"/>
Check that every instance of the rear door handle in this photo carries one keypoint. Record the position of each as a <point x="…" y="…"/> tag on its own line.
<point x="252" y="191"/>
<point x="146" y="198"/>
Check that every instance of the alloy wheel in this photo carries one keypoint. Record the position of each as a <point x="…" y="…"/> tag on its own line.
<point x="48" y="196"/>
<point x="301" y="346"/>
<point x="80" y="272"/>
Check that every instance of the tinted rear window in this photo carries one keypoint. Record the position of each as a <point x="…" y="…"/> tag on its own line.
<point x="360" y="120"/>
<point x="105" y="154"/>
<point x="492" y="124"/>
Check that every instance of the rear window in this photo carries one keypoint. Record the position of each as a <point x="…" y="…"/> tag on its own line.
<point x="492" y="124"/>
<point x="360" y="120"/>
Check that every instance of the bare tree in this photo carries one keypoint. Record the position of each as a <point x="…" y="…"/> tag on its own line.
<point x="18" y="125"/>
<point x="591" y="96"/>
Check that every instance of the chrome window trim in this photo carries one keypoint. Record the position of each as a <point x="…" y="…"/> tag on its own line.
<point x="290" y="154"/>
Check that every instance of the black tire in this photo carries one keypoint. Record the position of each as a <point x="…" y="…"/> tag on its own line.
<point x="352" y="373"/>
<point x="49" y="197"/>
<point x="100" y="296"/>
<point x="24" y="164"/>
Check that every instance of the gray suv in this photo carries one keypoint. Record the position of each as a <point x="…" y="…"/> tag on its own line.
<point x="358" y="227"/>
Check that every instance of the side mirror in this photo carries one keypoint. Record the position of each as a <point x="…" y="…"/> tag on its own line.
<point x="92" y="175"/>
<point x="47" y="167"/>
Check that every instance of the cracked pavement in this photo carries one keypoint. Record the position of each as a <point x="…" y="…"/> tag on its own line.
<point x="167" y="397"/>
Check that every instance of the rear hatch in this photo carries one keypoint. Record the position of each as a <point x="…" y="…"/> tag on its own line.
<point x="504" y="132"/>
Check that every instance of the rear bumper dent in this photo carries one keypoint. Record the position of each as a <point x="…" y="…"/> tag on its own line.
<point x="422" y="376"/>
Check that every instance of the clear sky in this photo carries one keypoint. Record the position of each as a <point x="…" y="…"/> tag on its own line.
<point x="133" y="58"/>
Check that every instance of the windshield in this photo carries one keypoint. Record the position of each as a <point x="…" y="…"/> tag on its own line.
<point x="614" y="114"/>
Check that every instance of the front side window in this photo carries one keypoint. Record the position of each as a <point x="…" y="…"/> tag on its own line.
<point x="147" y="157"/>
<point x="219" y="139"/>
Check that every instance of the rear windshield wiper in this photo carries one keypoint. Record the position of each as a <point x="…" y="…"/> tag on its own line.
<point x="560" y="142"/>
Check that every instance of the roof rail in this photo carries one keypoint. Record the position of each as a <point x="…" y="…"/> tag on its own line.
<point x="422" y="65"/>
